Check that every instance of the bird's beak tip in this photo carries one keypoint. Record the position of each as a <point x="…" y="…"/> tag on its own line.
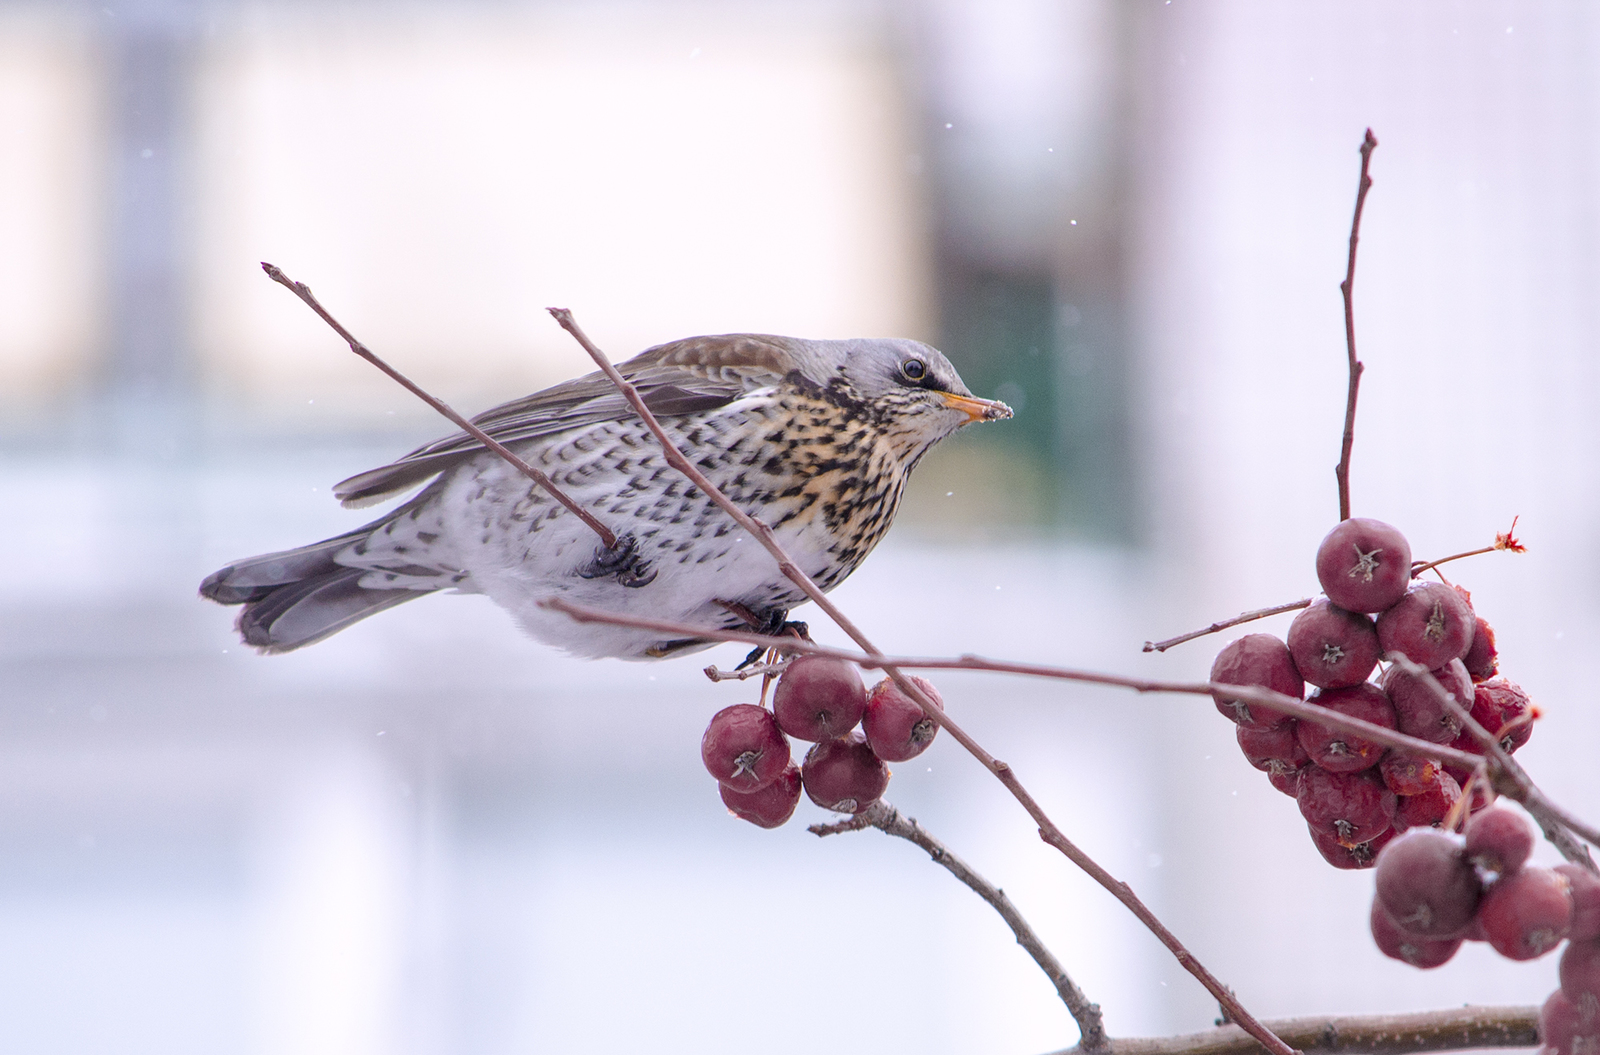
<point x="977" y="409"/>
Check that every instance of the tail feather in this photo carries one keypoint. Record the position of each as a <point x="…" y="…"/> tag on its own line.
<point x="301" y="613"/>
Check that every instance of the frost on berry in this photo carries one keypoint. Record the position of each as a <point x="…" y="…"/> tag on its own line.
<point x="1418" y="709"/>
<point x="768" y="807"/>
<point x="1527" y="913"/>
<point x="1585" y="901"/>
<point x="1430" y="625"/>
<point x="744" y="748"/>
<point x="1569" y="1025"/>
<point x="1350" y="808"/>
<point x="1409" y="948"/>
<point x="897" y="728"/>
<point x="1429" y="807"/>
<point x="1256" y="659"/>
<point x="1426" y="884"/>
<point x="1505" y="710"/>
<point x="1361" y="855"/>
<point x="844" y="775"/>
<point x="819" y="698"/>
<point x="1364" y="565"/>
<point x="1333" y="648"/>
<point x="1499" y="839"/>
<point x="1341" y="752"/>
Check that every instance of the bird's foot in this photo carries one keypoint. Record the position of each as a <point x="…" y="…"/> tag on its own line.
<point x="769" y="622"/>
<point x="622" y="560"/>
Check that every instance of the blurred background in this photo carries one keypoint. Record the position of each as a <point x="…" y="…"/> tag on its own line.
<point x="429" y="834"/>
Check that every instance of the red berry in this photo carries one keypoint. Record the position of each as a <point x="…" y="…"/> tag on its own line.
<point x="1501" y="707"/>
<point x="1256" y="659"/>
<point x="1499" y="839"/>
<point x="1361" y="855"/>
<point x="1277" y="748"/>
<point x="1406" y="774"/>
<point x="1527" y="913"/>
<point x="1482" y="659"/>
<point x="1426" y="884"/>
<point x="819" y="698"/>
<point x="1569" y="1026"/>
<point x="1348" y="807"/>
<point x="1340" y="752"/>
<point x="1430" y="625"/>
<point x="1580" y="971"/>
<point x="844" y="775"/>
<point x="896" y="725"/>
<point x="1364" y="565"/>
<point x="1398" y="945"/>
<point x="1429" y="808"/>
<point x="1331" y="647"/>
<point x="1418" y="709"/>
<point x="1287" y="779"/>
<point x="744" y="748"/>
<point x="1585" y="901"/>
<point x="769" y="807"/>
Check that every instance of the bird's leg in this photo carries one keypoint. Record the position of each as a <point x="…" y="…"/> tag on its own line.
<point x="771" y="622"/>
<point x="622" y="560"/>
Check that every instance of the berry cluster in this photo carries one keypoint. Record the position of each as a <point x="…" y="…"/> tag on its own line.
<point x="1354" y="794"/>
<point x="822" y="701"/>
<point x="1435" y="890"/>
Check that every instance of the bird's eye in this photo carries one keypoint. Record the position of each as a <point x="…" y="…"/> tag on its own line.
<point x="914" y="369"/>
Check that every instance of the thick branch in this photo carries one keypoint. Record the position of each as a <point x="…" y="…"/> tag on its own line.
<point x="1458" y="1029"/>
<point x="303" y="291"/>
<point x="1003" y="772"/>
<point x="1347" y="287"/>
<point x="1245" y="617"/>
<point x="890" y="821"/>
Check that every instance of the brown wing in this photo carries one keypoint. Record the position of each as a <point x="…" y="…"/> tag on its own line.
<point x="684" y="377"/>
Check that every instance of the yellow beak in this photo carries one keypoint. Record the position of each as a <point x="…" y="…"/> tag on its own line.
<point x="977" y="409"/>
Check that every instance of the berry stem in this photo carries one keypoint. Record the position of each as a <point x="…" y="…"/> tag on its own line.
<point x="303" y="291"/>
<point x="884" y="817"/>
<point x="1047" y="828"/>
<point x="1244" y="617"/>
<point x="1347" y="288"/>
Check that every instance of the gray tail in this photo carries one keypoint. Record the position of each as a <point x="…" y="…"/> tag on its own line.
<point x="301" y="596"/>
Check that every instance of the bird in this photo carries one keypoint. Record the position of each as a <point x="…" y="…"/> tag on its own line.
<point x="814" y="437"/>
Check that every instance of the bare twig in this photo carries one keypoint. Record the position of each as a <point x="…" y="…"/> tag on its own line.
<point x="1506" y="540"/>
<point x="1458" y="1029"/>
<point x="754" y="671"/>
<point x="303" y="291"/>
<point x="1048" y="831"/>
<point x="1347" y="287"/>
<point x="1246" y="617"/>
<point x="884" y="817"/>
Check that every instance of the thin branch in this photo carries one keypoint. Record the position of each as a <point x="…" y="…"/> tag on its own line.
<point x="1249" y="694"/>
<point x="884" y="817"/>
<point x="1347" y="287"/>
<point x="1048" y="831"/>
<point x="1458" y="1029"/>
<point x="303" y="291"/>
<point x="754" y="671"/>
<point x="1503" y="540"/>
<point x="1246" y="617"/>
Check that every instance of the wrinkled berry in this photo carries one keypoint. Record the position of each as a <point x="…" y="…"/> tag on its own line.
<point x="1502" y="708"/>
<point x="769" y="807"/>
<point x="1527" y="913"/>
<point x="1364" y="565"/>
<point x="1361" y="855"/>
<point x="896" y="725"/>
<point x="844" y="775"/>
<point x="1499" y="839"/>
<point x="1426" y="883"/>
<point x="1287" y="779"/>
<point x="744" y="748"/>
<point x="1406" y="774"/>
<point x="1419" y="711"/>
<point x="1256" y="659"/>
<point x="1340" y="752"/>
<point x="819" y="698"/>
<point x="1430" y="625"/>
<point x="1568" y="1026"/>
<point x="1430" y="807"/>
<point x="1333" y="648"/>
<point x="1482" y="659"/>
<point x="1585" y="901"/>
<point x="1269" y="749"/>
<point x="1409" y="948"/>
<point x="1580" y="971"/>
<point x="1349" y="807"/>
